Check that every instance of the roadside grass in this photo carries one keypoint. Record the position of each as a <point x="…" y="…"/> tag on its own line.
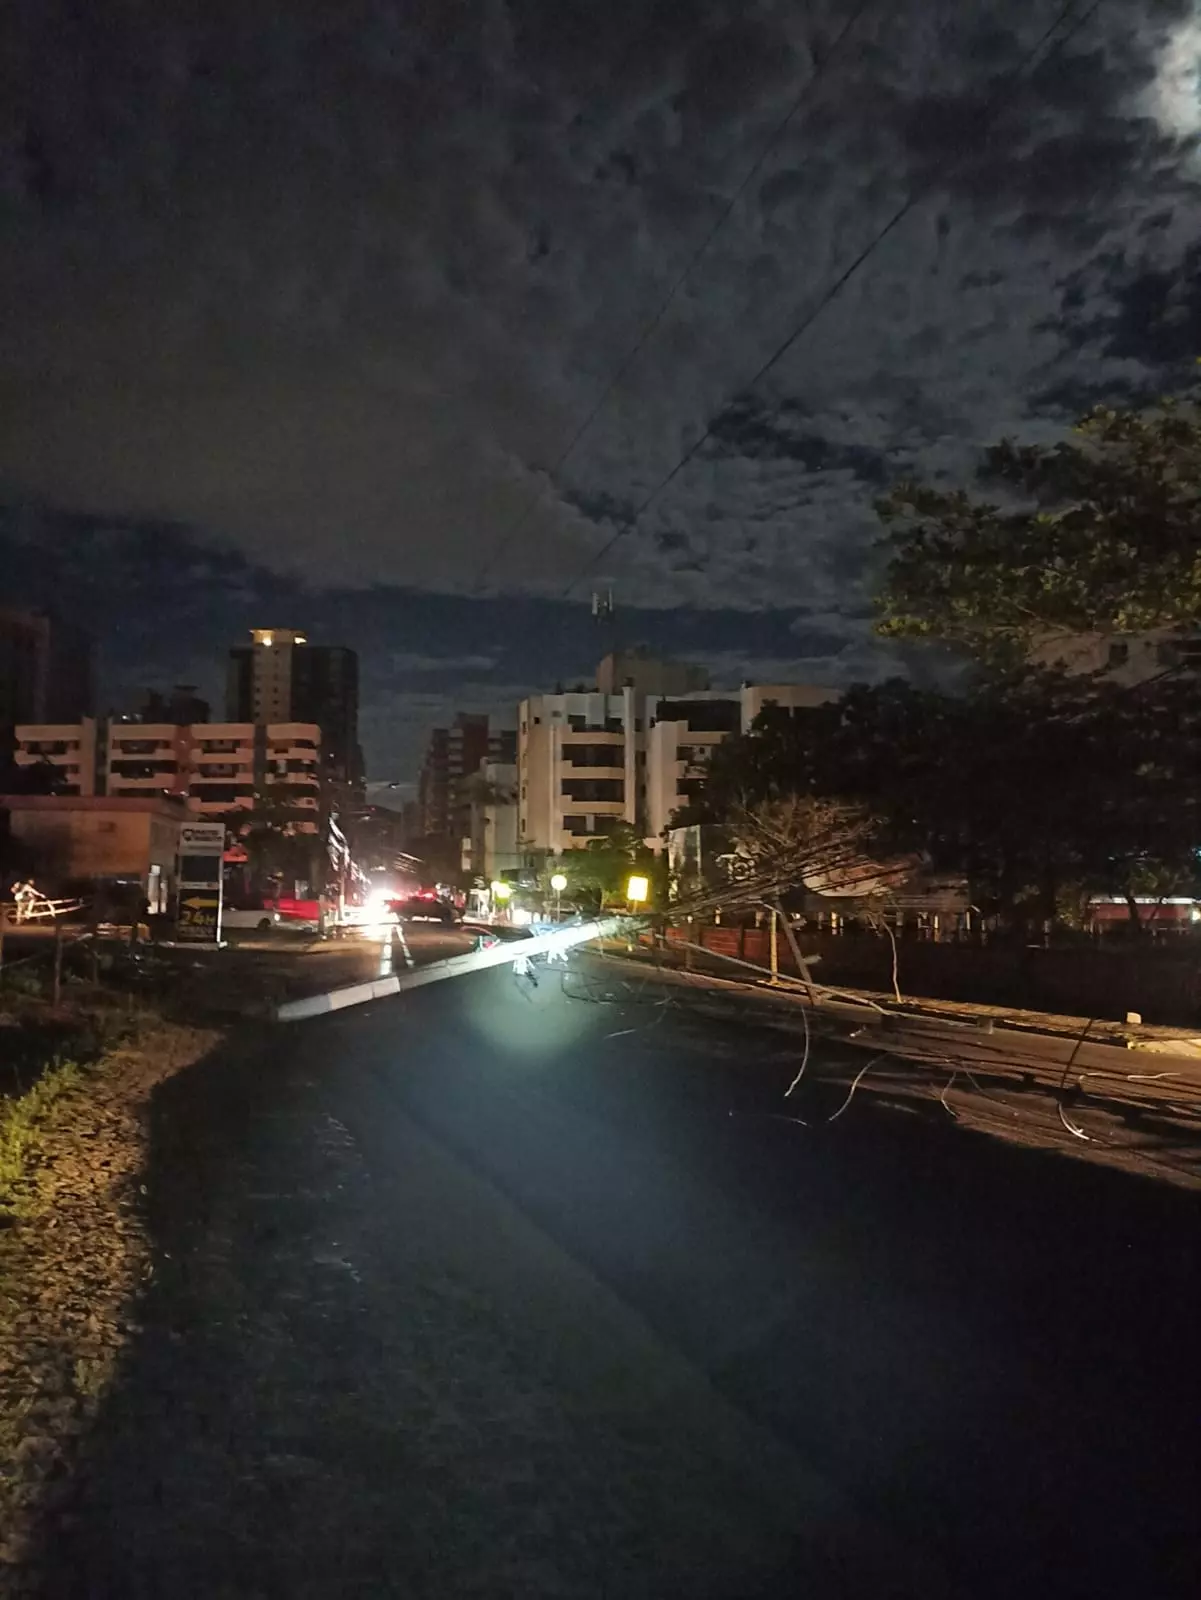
<point x="25" y="1124"/>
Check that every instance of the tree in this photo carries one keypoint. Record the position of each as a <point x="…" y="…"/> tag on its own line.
<point x="1098" y="533"/>
<point x="600" y="871"/>
<point x="275" y="848"/>
<point x="1035" y="787"/>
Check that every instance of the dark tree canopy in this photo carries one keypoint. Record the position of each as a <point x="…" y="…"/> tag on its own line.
<point x="1034" y="786"/>
<point x="1098" y="533"/>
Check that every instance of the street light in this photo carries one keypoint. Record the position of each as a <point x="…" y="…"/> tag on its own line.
<point x="502" y="891"/>
<point x="558" y="883"/>
<point x="638" y="889"/>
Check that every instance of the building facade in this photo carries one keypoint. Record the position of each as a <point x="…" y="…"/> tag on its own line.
<point x="46" y="670"/>
<point x="453" y="756"/>
<point x="279" y="677"/>
<point x="491" y="845"/>
<point x="581" y="760"/>
<point x="79" y="839"/>
<point x="1125" y="659"/>
<point x="213" y="767"/>
<point x="685" y="730"/>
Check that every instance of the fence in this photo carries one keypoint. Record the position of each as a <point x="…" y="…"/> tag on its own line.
<point x="1162" y="985"/>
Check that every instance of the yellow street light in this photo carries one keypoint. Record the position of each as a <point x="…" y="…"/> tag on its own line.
<point x="559" y="882"/>
<point x="638" y="889"/>
<point x="502" y="891"/>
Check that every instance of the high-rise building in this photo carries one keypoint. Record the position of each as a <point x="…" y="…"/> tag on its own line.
<point x="46" y="670"/>
<point x="452" y="756"/>
<point x="591" y="762"/>
<point x="683" y="731"/>
<point x="183" y="706"/>
<point x="581" y="767"/>
<point x="281" y="677"/>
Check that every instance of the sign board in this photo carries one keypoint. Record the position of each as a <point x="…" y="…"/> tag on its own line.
<point x="198" y="909"/>
<point x="202" y="839"/>
<point x="199" y="919"/>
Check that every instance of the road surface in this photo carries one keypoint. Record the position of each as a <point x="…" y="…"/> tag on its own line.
<point x="494" y="1291"/>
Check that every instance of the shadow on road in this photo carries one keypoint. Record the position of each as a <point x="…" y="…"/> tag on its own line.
<point x="491" y="1292"/>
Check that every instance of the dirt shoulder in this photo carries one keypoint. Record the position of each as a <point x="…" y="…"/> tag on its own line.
<point x="74" y="1251"/>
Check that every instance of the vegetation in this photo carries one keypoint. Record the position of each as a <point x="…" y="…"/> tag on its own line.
<point x="597" y="875"/>
<point x="1100" y="533"/>
<point x="24" y="1123"/>
<point x="275" y="850"/>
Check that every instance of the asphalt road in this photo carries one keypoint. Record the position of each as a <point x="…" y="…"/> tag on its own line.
<point x="496" y="1291"/>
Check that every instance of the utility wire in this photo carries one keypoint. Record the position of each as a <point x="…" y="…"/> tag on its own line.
<point x="839" y="283"/>
<point x="519" y="523"/>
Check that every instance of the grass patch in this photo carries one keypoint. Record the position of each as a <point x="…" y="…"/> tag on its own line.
<point x="24" y="1123"/>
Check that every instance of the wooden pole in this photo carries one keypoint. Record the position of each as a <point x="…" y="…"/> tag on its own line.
<point x="57" y="990"/>
<point x="775" y="947"/>
<point x="801" y="964"/>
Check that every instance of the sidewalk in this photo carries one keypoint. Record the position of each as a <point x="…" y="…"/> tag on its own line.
<point x="1087" y="1089"/>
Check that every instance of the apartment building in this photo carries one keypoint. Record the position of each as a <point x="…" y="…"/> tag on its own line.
<point x="491" y="847"/>
<point x="215" y="767"/>
<point x="685" y="730"/>
<point x="45" y="669"/>
<point x="453" y="756"/>
<point x="279" y="677"/>
<point x="683" y="734"/>
<point x="581" y="767"/>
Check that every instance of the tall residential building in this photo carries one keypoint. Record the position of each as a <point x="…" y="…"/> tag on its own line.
<point x="580" y="767"/>
<point x="452" y="756"/>
<point x="280" y="677"/>
<point x="46" y="669"/>
<point x="685" y="730"/>
<point x="182" y="706"/>
<point x="492" y="840"/>
<point x="216" y="767"/>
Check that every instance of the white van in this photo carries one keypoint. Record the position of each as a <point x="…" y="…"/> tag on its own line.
<point x="261" y="920"/>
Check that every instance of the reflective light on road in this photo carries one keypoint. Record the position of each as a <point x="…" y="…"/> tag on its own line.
<point x="524" y="1023"/>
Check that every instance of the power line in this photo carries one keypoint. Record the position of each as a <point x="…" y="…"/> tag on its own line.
<point x="723" y="216"/>
<point x="833" y="291"/>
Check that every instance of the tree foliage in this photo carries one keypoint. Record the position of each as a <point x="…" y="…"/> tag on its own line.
<point x="1035" y="785"/>
<point x="1098" y="533"/>
<point x="599" y="872"/>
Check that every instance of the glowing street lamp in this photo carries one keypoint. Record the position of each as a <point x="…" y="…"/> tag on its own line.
<point x="638" y="890"/>
<point x="502" y="891"/>
<point x="558" y="883"/>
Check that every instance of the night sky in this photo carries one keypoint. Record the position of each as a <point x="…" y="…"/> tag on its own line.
<point x="301" y="302"/>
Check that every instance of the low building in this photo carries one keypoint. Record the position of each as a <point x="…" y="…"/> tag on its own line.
<point x="96" y="839"/>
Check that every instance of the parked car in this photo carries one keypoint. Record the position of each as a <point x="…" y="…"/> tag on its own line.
<point x="260" y="918"/>
<point x="424" y="907"/>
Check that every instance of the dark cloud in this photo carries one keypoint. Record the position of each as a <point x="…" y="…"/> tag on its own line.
<point x="327" y="291"/>
<point x="759" y="430"/>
